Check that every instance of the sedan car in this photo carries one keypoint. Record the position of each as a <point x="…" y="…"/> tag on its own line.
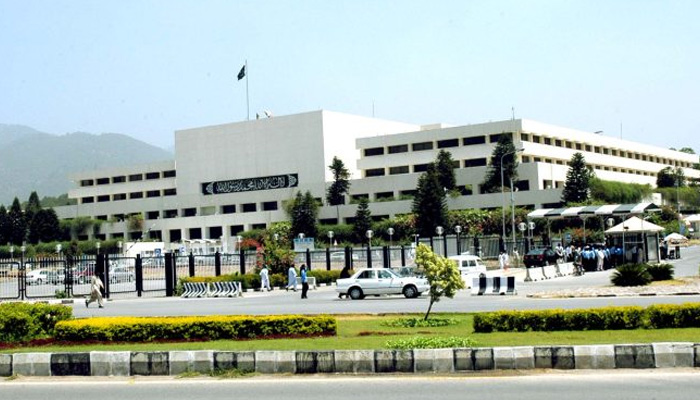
<point x="120" y="274"/>
<point x="43" y="276"/>
<point x="378" y="281"/>
<point x="540" y="257"/>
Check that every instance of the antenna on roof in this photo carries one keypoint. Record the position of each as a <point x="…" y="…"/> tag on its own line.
<point x="512" y="110"/>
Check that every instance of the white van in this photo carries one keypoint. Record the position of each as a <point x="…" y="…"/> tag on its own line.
<point x="469" y="264"/>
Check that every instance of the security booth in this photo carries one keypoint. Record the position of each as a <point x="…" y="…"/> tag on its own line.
<point x="639" y="240"/>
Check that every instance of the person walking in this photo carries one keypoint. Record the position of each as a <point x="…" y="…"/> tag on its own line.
<point x="96" y="286"/>
<point x="304" y="282"/>
<point x="292" y="278"/>
<point x="503" y="260"/>
<point x="264" y="279"/>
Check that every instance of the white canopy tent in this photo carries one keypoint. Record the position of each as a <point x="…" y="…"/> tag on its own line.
<point x="634" y="225"/>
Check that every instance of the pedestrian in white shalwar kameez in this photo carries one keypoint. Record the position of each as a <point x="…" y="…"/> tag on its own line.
<point x="264" y="279"/>
<point x="95" y="291"/>
<point x="292" y="278"/>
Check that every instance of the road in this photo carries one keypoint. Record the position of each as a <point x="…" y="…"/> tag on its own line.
<point x="554" y="385"/>
<point x="325" y="300"/>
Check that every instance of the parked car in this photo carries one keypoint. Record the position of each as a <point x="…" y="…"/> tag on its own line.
<point x="407" y="271"/>
<point x="43" y="276"/>
<point x="469" y="264"/>
<point x="121" y="274"/>
<point x="540" y="257"/>
<point x="339" y="256"/>
<point x="378" y="281"/>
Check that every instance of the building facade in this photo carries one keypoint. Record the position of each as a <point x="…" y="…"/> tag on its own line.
<point x="230" y="178"/>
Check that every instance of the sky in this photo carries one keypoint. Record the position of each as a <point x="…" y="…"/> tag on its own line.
<point x="147" y="68"/>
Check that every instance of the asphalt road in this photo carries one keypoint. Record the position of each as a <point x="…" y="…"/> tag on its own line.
<point x="554" y="385"/>
<point x="325" y="300"/>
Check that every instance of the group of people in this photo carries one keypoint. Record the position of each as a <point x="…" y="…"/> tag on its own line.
<point x="594" y="257"/>
<point x="291" y="280"/>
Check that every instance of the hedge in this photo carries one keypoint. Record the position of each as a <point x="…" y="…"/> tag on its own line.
<point x="146" y="329"/>
<point x="607" y="318"/>
<point x="21" y="322"/>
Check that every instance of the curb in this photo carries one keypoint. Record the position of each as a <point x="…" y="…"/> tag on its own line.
<point x="572" y="296"/>
<point x="418" y="361"/>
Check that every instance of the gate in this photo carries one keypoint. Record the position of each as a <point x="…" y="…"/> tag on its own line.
<point x="11" y="282"/>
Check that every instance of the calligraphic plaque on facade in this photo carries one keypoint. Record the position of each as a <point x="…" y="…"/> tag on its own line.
<point x="251" y="184"/>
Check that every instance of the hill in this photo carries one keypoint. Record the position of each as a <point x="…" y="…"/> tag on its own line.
<point x="36" y="161"/>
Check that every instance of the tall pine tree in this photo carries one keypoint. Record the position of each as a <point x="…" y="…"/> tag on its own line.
<point x="445" y="167"/>
<point x="363" y="220"/>
<point x="18" y="225"/>
<point x="303" y="211"/>
<point x="504" y="150"/>
<point x="429" y="203"/>
<point x="578" y="181"/>
<point x="4" y="225"/>
<point x="335" y="196"/>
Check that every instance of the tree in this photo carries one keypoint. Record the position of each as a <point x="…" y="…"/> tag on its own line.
<point x="446" y="170"/>
<point x="504" y="150"/>
<point x="44" y="227"/>
<point x="668" y="177"/>
<point x="17" y="222"/>
<point x="442" y="275"/>
<point x="429" y="203"/>
<point x="578" y="181"/>
<point x="4" y="225"/>
<point x="303" y="211"/>
<point x="363" y="220"/>
<point x="31" y="209"/>
<point x="688" y="150"/>
<point x="340" y="186"/>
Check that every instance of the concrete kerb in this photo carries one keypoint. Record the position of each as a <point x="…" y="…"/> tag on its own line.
<point x="420" y="361"/>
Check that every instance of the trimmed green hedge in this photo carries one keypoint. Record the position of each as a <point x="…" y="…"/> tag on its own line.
<point x="607" y="318"/>
<point x="146" y="329"/>
<point x="20" y="322"/>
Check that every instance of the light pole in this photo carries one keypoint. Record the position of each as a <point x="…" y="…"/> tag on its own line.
<point x="458" y="230"/>
<point x="503" y="193"/>
<point x="119" y="247"/>
<point x="439" y="230"/>
<point x="58" y="249"/>
<point x="239" y="240"/>
<point x="522" y="227"/>
<point x="330" y="238"/>
<point x="12" y="252"/>
<point x="369" y="234"/>
<point x="97" y="247"/>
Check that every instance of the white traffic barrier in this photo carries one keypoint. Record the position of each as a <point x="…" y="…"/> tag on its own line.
<point x="566" y="269"/>
<point x="493" y="285"/>
<point x="534" y="274"/>
<point x="549" y="271"/>
<point x="213" y="289"/>
<point x="194" y="289"/>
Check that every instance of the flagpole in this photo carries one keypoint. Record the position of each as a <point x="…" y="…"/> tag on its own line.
<point x="247" y="98"/>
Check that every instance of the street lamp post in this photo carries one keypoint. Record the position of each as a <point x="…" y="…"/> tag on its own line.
<point x="12" y="252"/>
<point x="369" y="234"/>
<point x="439" y="230"/>
<point x="97" y="247"/>
<point x="458" y="230"/>
<point x="330" y="238"/>
<point x="390" y="231"/>
<point x="503" y="194"/>
<point x="58" y="249"/>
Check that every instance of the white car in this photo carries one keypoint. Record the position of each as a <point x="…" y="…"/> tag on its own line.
<point x="339" y="256"/>
<point x="377" y="281"/>
<point x="43" y="276"/>
<point x="469" y="264"/>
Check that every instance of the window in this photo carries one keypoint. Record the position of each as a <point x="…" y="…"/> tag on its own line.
<point x="578" y="146"/>
<point x="215" y="232"/>
<point x="119" y="179"/>
<point x="367" y="274"/>
<point x="86" y="200"/>
<point x="103" y="181"/>
<point x="101" y="217"/>
<point x="524" y="137"/>
<point x="558" y="143"/>
<point x="136" y="195"/>
<point x="195" y="233"/>
<point x="269" y="206"/>
<point x="249" y="207"/>
<point x="374" y="172"/>
<point x="403" y="169"/>
<point x="87" y="182"/>
<point x="475" y="162"/>
<point x="359" y="196"/>
<point x="374" y="151"/>
<point x="152" y="175"/>
<point x="420" y="167"/>
<point x="526" y="159"/>
<point x="135" y="177"/>
<point x="469" y="141"/>
<point x="596" y="149"/>
<point x="119" y="197"/>
<point x="535" y="138"/>
<point x="169" y="174"/>
<point x="228" y="209"/>
<point x="259" y="226"/>
<point x="103" y="198"/>
<point x="236" y="229"/>
<point x="152" y="215"/>
<point x="569" y="145"/>
<point x="406" y="194"/>
<point x="170" y="214"/>
<point x="400" y="148"/>
<point x="422" y="146"/>
<point x="548" y="141"/>
<point x="189" y="212"/>
<point x="588" y="147"/>
<point x="169" y="192"/>
<point x="153" y="193"/>
<point x="442" y="144"/>
<point x="497" y="136"/>
<point x="384" y="195"/>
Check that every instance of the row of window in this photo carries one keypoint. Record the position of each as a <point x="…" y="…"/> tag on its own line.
<point x="430" y="145"/>
<point x="528" y="137"/>
<point x="124" y="196"/>
<point x="130" y="178"/>
<point x="527" y="159"/>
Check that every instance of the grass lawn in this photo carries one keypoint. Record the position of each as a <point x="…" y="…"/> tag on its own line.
<point x="356" y="332"/>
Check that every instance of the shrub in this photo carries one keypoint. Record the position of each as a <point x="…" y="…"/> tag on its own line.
<point x="660" y="272"/>
<point x="420" y="342"/>
<point x="145" y="329"/>
<point x="631" y="275"/>
<point x="24" y="321"/>
<point x="607" y="318"/>
<point x="323" y="276"/>
<point x="419" y="322"/>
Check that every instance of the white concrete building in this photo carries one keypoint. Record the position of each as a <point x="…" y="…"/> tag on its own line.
<point x="234" y="177"/>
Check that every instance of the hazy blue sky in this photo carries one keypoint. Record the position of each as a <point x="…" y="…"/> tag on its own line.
<point x="148" y="68"/>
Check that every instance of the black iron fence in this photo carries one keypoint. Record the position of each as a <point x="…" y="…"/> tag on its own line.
<point x="33" y="278"/>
